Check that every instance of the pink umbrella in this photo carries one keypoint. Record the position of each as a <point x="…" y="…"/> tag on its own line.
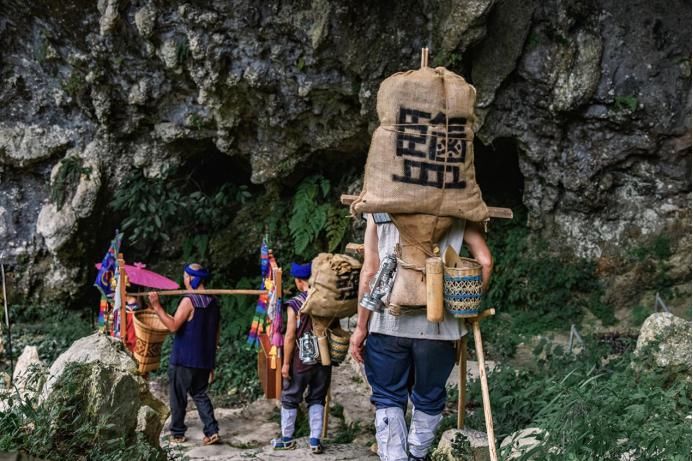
<point x="138" y="275"/>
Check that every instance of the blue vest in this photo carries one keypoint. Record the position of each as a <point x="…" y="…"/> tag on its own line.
<point x="195" y="343"/>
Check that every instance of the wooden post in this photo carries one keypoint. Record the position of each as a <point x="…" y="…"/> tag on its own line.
<point x="326" y="413"/>
<point x="7" y="322"/>
<point x="462" y="386"/>
<point x="123" y="296"/>
<point x="236" y="291"/>
<point x="484" y="390"/>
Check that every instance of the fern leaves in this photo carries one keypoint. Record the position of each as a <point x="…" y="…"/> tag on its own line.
<point x="337" y="226"/>
<point x="312" y="216"/>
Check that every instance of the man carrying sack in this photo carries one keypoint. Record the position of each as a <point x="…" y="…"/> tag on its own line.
<point x="196" y="328"/>
<point x="406" y="356"/>
<point x="302" y="369"/>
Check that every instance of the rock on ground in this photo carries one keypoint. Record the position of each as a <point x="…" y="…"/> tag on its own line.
<point x="470" y="446"/>
<point x="665" y="340"/>
<point x="27" y="372"/>
<point x="96" y="348"/>
<point x="103" y="383"/>
<point x="472" y="372"/>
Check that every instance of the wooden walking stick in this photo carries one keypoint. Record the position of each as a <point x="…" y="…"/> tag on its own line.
<point x="484" y="382"/>
<point x="7" y="322"/>
<point x="326" y="413"/>
<point x="462" y="386"/>
<point x="123" y="297"/>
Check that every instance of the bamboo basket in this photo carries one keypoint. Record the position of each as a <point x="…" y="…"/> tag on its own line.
<point x="339" y="344"/>
<point x="150" y="333"/>
<point x="462" y="285"/>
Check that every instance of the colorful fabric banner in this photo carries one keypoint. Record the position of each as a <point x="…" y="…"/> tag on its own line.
<point x="259" y="320"/>
<point x="108" y="267"/>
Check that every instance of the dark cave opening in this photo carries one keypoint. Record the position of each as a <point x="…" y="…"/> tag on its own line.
<point x="341" y="168"/>
<point x="210" y="168"/>
<point x="498" y="173"/>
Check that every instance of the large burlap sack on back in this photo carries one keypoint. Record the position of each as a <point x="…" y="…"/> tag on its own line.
<point x="410" y="167"/>
<point x="418" y="236"/>
<point x="334" y="284"/>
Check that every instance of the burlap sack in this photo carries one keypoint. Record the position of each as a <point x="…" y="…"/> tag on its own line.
<point x="334" y="284"/>
<point x="418" y="235"/>
<point x="410" y="167"/>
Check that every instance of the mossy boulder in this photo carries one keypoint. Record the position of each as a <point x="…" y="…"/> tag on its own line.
<point x="97" y="380"/>
<point x="665" y="342"/>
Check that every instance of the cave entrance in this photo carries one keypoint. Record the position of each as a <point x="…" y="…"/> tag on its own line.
<point x="498" y="173"/>
<point x="210" y="168"/>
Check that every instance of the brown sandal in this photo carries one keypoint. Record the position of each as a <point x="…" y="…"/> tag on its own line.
<point x="211" y="440"/>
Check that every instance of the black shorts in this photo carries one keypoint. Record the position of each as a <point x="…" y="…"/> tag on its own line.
<point x="316" y="380"/>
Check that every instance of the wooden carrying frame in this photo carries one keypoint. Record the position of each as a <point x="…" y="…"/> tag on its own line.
<point x="269" y="367"/>
<point x="270" y="378"/>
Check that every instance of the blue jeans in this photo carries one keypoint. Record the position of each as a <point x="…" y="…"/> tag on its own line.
<point x="398" y="368"/>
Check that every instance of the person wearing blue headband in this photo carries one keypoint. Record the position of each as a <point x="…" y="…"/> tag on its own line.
<point x="299" y="376"/>
<point x="196" y="327"/>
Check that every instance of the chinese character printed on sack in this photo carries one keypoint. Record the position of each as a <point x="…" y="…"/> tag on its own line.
<point x="421" y="144"/>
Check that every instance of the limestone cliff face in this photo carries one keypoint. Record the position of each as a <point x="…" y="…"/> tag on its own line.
<point x="595" y="97"/>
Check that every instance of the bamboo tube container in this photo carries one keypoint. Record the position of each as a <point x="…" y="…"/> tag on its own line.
<point x="324" y="351"/>
<point x="434" y="289"/>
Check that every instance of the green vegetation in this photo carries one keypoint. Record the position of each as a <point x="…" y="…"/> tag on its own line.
<point x="535" y="291"/>
<point x="75" y="84"/>
<point x="347" y="432"/>
<point x="460" y="448"/>
<point x="52" y="329"/>
<point x="448" y="60"/>
<point x="593" y="406"/>
<point x="56" y="431"/>
<point x="67" y="178"/>
<point x="182" y="50"/>
<point x="653" y="258"/>
<point x="157" y="208"/>
<point x="629" y="103"/>
<point x="315" y="221"/>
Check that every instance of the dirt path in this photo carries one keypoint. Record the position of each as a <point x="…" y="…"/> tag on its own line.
<point x="246" y="432"/>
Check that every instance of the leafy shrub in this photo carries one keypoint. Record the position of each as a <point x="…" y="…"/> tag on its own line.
<point x="51" y="328"/>
<point x="157" y="208"/>
<point x="535" y="291"/>
<point x="315" y="221"/>
<point x="591" y="407"/>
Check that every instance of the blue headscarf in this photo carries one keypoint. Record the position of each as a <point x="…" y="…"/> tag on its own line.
<point x="196" y="275"/>
<point x="300" y="271"/>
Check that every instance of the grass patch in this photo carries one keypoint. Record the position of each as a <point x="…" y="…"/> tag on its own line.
<point x="52" y="329"/>
<point x="591" y="407"/>
<point x="536" y="291"/>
